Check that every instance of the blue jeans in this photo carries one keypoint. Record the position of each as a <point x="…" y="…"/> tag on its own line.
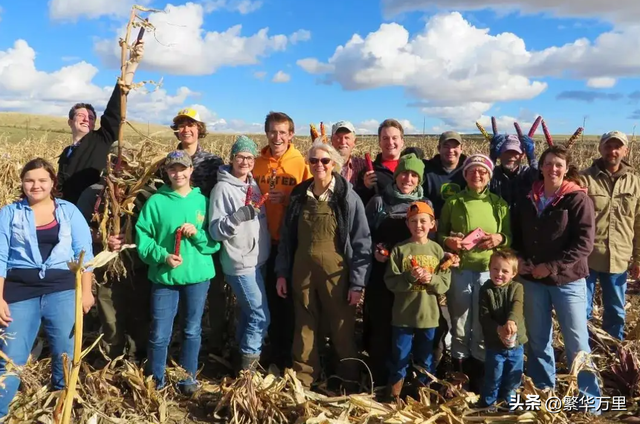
<point x="614" y="287"/>
<point x="254" y="318"/>
<point x="502" y="374"/>
<point x="164" y="307"/>
<point x="463" y="300"/>
<point x="569" y="301"/>
<point x="407" y="341"/>
<point x="56" y="312"/>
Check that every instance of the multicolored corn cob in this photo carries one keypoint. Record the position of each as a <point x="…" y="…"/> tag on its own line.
<point x="483" y="131"/>
<point x="518" y="129"/>
<point x="574" y="138"/>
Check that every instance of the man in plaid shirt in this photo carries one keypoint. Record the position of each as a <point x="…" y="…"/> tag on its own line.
<point x="343" y="138"/>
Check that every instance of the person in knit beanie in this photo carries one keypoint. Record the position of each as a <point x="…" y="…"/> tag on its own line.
<point x="240" y="225"/>
<point x="244" y="144"/>
<point x="386" y="213"/>
<point x="473" y="209"/>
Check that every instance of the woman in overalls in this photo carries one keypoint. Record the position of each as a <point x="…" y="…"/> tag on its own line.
<point x="325" y="251"/>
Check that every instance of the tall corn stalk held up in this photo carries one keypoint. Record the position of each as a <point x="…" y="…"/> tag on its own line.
<point x="134" y="21"/>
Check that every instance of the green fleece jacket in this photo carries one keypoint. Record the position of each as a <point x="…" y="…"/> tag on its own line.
<point x="415" y="305"/>
<point x="159" y="219"/>
<point x="468" y="210"/>
<point x="499" y="304"/>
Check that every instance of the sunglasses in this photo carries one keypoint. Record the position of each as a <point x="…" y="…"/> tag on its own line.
<point x="324" y="161"/>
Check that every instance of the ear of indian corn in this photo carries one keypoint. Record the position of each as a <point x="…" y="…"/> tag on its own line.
<point x="483" y="131"/>
<point x="574" y="138"/>
<point x="547" y="134"/>
<point x="534" y="127"/>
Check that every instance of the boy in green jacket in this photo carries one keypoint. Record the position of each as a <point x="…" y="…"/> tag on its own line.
<point x="172" y="238"/>
<point x="502" y="319"/>
<point x="413" y="275"/>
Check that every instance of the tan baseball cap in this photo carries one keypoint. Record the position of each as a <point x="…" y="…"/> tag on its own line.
<point x="614" y="135"/>
<point x="343" y="124"/>
<point x="450" y="135"/>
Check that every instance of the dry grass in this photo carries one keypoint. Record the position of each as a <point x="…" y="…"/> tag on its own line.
<point x="119" y="393"/>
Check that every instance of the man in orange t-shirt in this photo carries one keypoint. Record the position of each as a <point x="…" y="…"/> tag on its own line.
<point x="278" y="169"/>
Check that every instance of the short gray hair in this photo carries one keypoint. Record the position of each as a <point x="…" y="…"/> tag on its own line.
<point x="318" y="144"/>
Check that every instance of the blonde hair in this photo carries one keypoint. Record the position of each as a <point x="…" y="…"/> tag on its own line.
<point x="335" y="157"/>
<point x="507" y="255"/>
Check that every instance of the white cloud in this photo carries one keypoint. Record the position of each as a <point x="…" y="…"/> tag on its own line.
<point x="299" y="36"/>
<point x="260" y="74"/>
<point x="612" y="54"/>
<point x="458" y="71"/>
<point x="621" y="11"/>
<point x="241" y="6"/>
<point x="281" y="77"/>
<point x="602" y="82"/>
<point x="313" y="66"/>
<point x="24" y="88"/>
<point x="71" y="10"/>
<point x="180" y="45"/>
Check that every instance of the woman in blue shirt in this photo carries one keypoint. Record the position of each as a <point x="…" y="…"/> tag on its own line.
<point x="39" y="234"/>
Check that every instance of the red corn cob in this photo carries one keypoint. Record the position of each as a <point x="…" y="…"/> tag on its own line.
<point x="262" y="200"/>
<point x="547" y="134"/>
<point x="414" y="262"/>
<point x="176" y="248"/>
<point x="518" y="129"/>
<point x="247" y="200"/>
<point x="383" y="251"/>
<point x="494" y="125"/>
<point x="534" y="127"/>
<point x="367" y="156"/>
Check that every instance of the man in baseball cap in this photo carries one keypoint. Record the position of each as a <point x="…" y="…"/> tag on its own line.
<point x="442" y="174"/>
<point x="187" y="113"/>
<point x="343" y="139"/>
<point x="614" y="187"/>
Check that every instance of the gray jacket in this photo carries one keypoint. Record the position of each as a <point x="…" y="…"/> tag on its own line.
<point x="246" y="244"/>
<point x="353" y="231"/>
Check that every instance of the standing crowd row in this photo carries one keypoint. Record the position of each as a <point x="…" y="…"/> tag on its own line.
<point x="301" y="238"/>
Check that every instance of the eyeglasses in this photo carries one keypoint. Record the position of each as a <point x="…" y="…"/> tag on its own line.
<point x="480" y="171"/>
<point x="324" y="161"/>
<point x="241" y="159"/>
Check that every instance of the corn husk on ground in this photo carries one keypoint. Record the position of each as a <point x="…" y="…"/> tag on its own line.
<point x="120" y="393"/>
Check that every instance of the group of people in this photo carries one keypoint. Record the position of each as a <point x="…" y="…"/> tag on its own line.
<point x="467" y="253"/>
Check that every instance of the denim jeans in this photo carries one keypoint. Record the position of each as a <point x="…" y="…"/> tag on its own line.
<point x="254" y="318"/>
<point x="463" y="299"/>
<point x="164" y="307"/>
<point x="569" y="301"/>
<point x="56" y="312"/>
<point x="417" y="342"/>
<point x="614" y="287"/>
<point x="502" y="374"/>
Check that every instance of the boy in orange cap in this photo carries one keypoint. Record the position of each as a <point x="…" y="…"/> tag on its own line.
<point x="415" y="277"/>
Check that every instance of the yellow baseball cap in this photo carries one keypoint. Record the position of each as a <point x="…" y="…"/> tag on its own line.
<point x="188" y="113"/>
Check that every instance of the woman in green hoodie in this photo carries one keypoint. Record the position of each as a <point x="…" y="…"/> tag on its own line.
<point x="473" y="208"/>
<point x="172" y="238"/>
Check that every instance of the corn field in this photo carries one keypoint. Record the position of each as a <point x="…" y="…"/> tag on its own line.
<point x="120" y="393"/>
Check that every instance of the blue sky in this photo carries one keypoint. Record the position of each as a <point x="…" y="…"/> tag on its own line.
<point x="359" y="60"/>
